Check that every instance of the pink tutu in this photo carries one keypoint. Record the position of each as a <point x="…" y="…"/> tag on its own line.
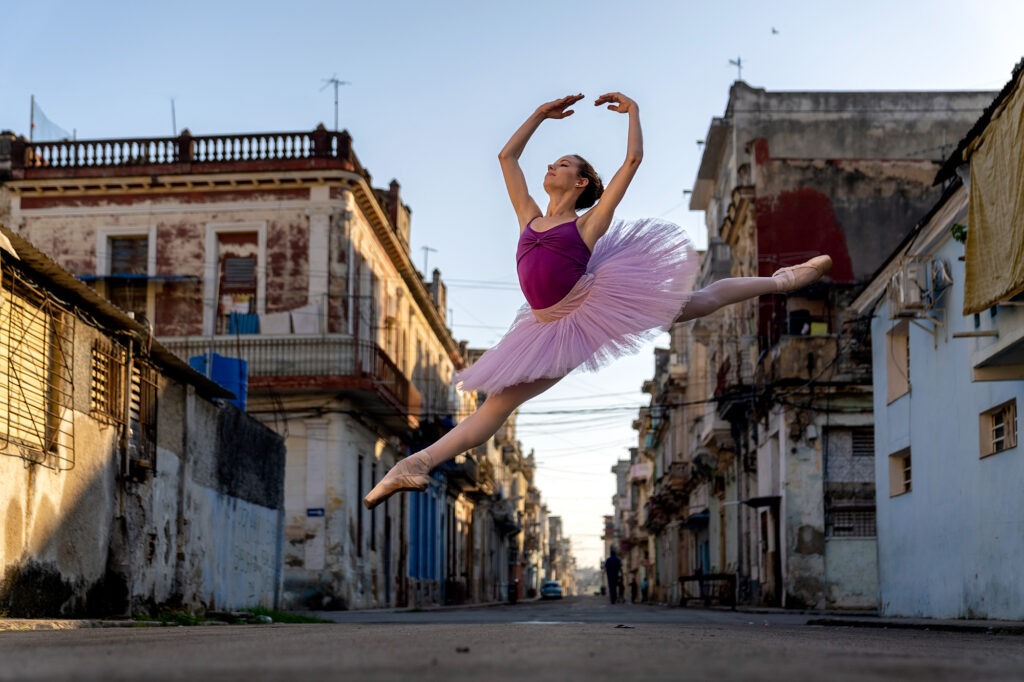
<point x="637" y="281"/>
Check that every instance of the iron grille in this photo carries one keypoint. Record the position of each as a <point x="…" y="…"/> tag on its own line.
<point x="864" y="441"/>
<point x="106" y="389"/>
<point x="858" y="522"/>
<point x="142" y="451"/>
<point x="37" y="339"/>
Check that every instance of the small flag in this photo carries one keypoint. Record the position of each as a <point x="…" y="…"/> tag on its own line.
<point x="43" y="129"/>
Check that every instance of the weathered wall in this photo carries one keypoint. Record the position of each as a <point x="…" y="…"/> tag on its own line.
<point x="855" y="210"/>
<point x="851" y="573"/>
<point x="203" y="531"/>
<point x="329" y="563"/>
<point x="952" y="546"/>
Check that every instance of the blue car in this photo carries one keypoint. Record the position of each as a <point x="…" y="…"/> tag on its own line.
<point x="550" y="589"/>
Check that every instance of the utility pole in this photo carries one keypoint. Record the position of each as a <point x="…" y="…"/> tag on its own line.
<point x="174" y="121"/>
<point x="333" y="80"/>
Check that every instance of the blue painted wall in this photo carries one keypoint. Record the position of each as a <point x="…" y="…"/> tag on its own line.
<point x="953" y="547"/>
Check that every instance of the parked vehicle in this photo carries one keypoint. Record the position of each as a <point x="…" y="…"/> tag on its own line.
<point x="550" y="589"/>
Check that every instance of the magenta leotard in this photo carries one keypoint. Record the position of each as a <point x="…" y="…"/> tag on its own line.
<point x="550" y="263"/>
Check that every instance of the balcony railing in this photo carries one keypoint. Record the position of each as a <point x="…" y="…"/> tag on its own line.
<point x="185" y="153"/>
<point x="327" y="362"/>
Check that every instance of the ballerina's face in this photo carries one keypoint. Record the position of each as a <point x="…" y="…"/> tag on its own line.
<point x="564" y="175"/>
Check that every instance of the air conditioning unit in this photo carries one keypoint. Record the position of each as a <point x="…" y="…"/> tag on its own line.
<point x="910" y="290"/>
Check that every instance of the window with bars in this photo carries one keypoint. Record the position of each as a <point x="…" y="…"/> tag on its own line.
<point x="863" y="441"/>
<point x="106" y="388"/>
<point x="850" y="522"/>
<point x="142" y="415"/>
<point x="37" y="337"/>
<point x="998" y="428"/>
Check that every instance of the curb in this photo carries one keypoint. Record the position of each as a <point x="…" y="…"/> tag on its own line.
<point x="981" y="628"/>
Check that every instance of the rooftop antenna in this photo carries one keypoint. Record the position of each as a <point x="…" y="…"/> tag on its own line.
<point x="426" y="252"/>
<point x="738" y="63"/>
<point x="333" y="80"/>
<point x="174" y="120"/>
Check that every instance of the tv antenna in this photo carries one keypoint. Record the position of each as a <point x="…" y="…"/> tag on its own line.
<point x="738" y="63"/>
<point x="426" y="252"/>
<point x="333" y="80"/>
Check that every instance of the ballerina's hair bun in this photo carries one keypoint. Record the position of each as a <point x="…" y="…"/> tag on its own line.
<point x="592" y="192"/>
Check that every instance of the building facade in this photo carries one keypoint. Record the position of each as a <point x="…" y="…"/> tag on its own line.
<point x="127" y="482"/>
<point x="277" y="250"/>
<point x="759" y="432"/>
<point x="948" y="359"/>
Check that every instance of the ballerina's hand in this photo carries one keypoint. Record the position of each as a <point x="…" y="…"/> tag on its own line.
<point x="557" y="108"/>
<point x="622" y="104"/>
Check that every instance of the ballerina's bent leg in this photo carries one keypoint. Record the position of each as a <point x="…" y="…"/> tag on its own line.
<point x="411" y="472"/>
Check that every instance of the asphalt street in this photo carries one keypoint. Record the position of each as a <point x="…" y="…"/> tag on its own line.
<point x="581" y="638"/>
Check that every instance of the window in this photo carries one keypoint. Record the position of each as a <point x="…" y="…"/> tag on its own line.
<point x="863" y="441"/>
<point x="998" y="428"/>
<point x="107" y="381"/>
<point x="235" y="276"/>
<point x="359" y="508"/>
<point x="850" y="522"/>
<point x="373" y="513"/>
<point x="36" y="375"/>
<point x="897" y="350"/>
<point x="899" y="473"/>
<point x="127" y="287"/>
<point x="142" y="416"/>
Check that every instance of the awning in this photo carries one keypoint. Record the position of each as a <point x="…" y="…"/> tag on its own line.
<point x="764" y="501"/>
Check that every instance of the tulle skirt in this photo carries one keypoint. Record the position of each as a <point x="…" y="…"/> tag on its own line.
<point x="637" y="281"/>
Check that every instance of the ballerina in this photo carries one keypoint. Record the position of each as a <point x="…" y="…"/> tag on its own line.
<point x="596" y="288"/>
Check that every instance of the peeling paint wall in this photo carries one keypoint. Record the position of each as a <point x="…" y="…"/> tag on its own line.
<point x="202" y="531"/>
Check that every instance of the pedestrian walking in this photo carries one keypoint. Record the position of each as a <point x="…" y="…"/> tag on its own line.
<point x="596" y="288"/>
<point x="613" y="572"/>
<point x="632" y="589"/>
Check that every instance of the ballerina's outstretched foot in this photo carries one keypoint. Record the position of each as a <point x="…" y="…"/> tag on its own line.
<point x="412" y="473"/>
<point x="798" y="276"/>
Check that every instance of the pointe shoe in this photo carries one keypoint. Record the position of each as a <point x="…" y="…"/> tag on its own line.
<point x="798" y="276"/>
<point x="412" y="473"/>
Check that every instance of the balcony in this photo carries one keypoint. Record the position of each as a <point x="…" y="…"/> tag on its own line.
<point x="715" y="432"/>
<point x="641" y="471"/>
<point x="462" y="472"/>
<point x="330" y="363"/>
<point x="186" y="154"/>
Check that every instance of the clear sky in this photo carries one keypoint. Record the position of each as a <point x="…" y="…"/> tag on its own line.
<point x="438" y="87"/>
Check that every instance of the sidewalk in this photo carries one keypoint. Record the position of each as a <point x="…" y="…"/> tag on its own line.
<point x="867" y="619"/>
<point x="26" y="624"/>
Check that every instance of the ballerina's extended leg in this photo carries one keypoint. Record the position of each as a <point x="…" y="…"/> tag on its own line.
<point x="413" y="472"/>
<point x="735" y="289"/>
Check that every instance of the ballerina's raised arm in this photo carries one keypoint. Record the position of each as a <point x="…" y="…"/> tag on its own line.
<point x="525" y="206"/>
<point x="595" y="222"/>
